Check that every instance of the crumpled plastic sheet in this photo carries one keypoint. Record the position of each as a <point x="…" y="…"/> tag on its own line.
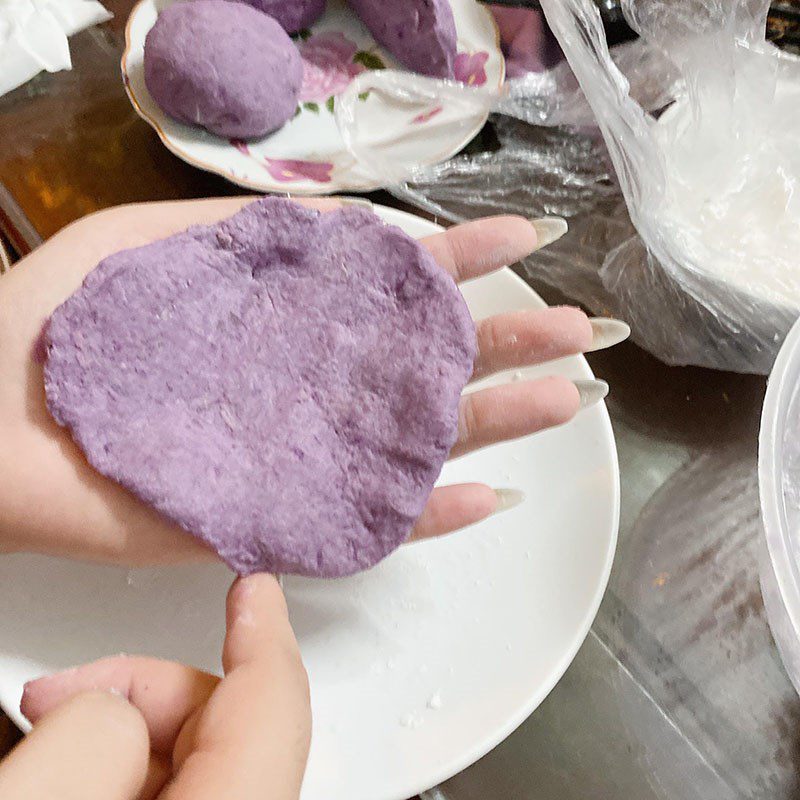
<point x="550" y="158"/>
<point x="555" y="97"/>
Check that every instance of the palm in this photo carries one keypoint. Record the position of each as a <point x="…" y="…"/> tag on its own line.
<point x="53" y="501"/>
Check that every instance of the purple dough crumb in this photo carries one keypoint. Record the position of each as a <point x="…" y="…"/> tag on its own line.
<point x="284" y="384"/>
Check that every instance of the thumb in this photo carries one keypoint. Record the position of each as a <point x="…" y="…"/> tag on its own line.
<point x="257" y="621"/>
<point x="255" y="729"/>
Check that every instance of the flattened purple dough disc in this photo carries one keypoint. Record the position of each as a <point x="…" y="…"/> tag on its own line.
<point x="420" y="34"/>
<point x="284" y="384"/>
<point x="223" y="66"/>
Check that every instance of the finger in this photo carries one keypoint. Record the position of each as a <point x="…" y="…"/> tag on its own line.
<point x="451" y="508"/>
<point x="525" y="338"/>
<point x="517" y="409"/>
<point x="477" y="248"/>
<point x="165" y="694"/>
<point x="257" y="621"/>
<point x="93" y="747"/>
<point x="255" y="730"/>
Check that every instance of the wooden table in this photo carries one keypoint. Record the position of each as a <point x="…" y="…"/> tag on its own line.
<point x="9" y="735"/>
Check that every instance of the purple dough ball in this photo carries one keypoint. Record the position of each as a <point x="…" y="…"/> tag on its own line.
<point x="293" y="15"/>
<point x="224" y="66"/>
<point x="420" y="34"/>
<point x="284" y="384"/>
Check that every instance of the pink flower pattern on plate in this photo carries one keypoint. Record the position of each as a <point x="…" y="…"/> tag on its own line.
<point x="328" y="66"/>
<point x="291" y="170"/>
<point x="426" y="115"/>
<point x="469" y="68"/>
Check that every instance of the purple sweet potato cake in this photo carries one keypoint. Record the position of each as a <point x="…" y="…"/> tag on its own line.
<point x="224" y="66"/>
<point x="420" y="34"/>
<point x="283" y="384"/>
<point x="293" y="15"/>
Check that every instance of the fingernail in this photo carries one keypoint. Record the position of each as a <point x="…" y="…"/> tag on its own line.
<point x="361" y="202"/>
<point x="607" y="332"/>
<point x="591" y="392"/>
<point x="548" y="230"/>
<point x="507" y="499"/>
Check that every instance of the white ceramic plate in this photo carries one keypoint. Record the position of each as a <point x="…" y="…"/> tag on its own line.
<point x="418" y="667"/>
<point x="307" y="155"/>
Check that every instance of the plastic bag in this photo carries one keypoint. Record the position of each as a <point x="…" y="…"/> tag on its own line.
<point x="705" y="276"/>
<point x="710" y="186"/>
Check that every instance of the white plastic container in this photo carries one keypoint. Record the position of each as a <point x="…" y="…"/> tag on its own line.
<point x="779" y="486"/>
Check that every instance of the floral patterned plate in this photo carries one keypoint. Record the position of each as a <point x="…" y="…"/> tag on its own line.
<point x="307" y="155"/>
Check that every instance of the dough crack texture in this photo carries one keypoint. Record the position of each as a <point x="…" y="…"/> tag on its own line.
<point x="284" y="385"/>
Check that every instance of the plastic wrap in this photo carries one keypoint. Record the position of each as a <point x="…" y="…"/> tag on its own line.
<point x="702" y="125"/>
<point x="710" y="185"/>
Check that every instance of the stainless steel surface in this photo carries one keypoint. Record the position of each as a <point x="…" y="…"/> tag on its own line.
<point x="678" y="693"/>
